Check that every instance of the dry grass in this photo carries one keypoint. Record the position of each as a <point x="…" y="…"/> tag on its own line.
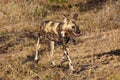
<point x="96" y="56"/>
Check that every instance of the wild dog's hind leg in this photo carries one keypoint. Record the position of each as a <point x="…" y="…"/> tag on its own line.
<point x="52" y="51"/>
<point x="37" y="49"/>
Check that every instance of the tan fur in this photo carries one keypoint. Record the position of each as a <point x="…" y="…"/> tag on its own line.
<point x="47" y="27"/>
<point x="54" y="28"/>
<point x="68" y="25"/>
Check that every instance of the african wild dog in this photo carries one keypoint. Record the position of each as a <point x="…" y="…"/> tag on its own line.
<point x="58" y="32"/>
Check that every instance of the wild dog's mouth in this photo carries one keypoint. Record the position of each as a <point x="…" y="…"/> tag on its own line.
<point x="76" y="34"/>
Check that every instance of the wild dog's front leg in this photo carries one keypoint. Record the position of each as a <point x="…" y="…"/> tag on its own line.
<point x="65" y="51"/>
<point x="37" y="49"/>
<point x="52" y="51"/>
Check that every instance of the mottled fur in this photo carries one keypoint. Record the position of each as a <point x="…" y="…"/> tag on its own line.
<point x="58" y="32"/>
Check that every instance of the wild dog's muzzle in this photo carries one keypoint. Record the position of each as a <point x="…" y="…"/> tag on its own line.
<point x="76" y="33"/>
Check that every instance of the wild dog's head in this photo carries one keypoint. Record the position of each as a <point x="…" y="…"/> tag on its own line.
<point x="70" y="25"/>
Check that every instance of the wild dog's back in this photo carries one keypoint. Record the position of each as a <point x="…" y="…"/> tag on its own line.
<point x="51" y="26"/>
<point x="51" y="29"/>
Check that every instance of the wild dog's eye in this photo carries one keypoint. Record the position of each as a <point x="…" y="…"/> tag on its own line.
<point x="73" y="27"/>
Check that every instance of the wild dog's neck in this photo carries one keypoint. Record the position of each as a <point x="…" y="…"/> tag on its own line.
<point x="64" y="27"/>
<point x="60" y="26"/>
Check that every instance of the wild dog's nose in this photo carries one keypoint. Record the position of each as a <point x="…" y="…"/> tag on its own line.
<point x="78" y="31"/>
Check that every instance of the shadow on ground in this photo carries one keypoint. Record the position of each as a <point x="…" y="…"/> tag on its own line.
<point x="113" y="52"/>
<point x="90" y="5"/>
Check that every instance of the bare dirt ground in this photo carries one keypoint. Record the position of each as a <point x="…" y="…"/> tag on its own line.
<point x="95" y="57"/>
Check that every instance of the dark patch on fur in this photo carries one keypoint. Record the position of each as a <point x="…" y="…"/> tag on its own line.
<point x="46" y="21"/>
<point x="59" y="28"/>
<point x="52" y="24"/>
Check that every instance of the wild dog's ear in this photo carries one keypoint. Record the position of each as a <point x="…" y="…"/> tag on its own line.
<point x="75" y="16"/>
<point x="65" y="19"/>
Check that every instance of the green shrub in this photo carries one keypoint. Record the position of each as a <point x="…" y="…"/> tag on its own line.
<point x="61" y="3"/>
<point x="38" y="11"/>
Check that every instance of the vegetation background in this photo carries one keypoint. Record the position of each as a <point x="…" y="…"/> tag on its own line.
<point x="95" y="57"/>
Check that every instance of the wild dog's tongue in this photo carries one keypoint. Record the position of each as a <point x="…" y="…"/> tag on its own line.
<point x="75" y="34"/>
